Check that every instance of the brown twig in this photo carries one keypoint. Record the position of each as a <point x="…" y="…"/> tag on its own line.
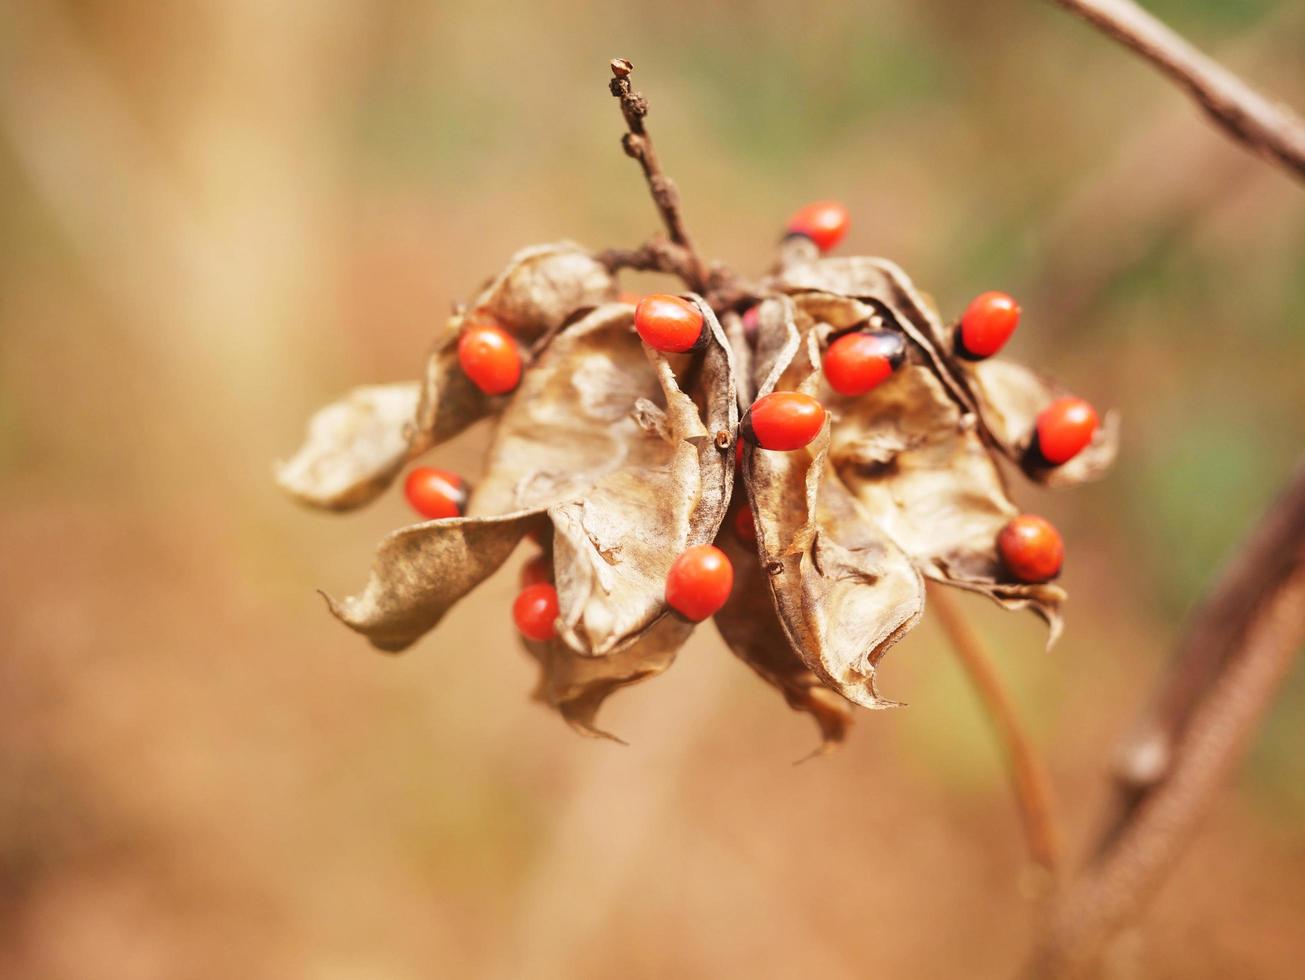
<point x="1028" y="775"/>
<point x="1269" y="128"/>
<point x="638" y="144"/>
<point x="1239" y="646"/>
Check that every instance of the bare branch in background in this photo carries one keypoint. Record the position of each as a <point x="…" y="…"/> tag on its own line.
<point x="1028" y="775"/>
<point x="1269" y="128"/>
<point x="1240" y="644"/>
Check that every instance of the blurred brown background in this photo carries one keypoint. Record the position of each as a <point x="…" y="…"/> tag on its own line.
<point x="219" y="214"/>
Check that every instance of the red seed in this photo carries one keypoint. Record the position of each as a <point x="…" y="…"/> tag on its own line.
<point x="699" y="582"/>
<point x="1031" y="548"/>
<point x="987" y="324"/>
<point x="1065" y="427"/>
<point x="668" y="323"/>
<point x="537" y="571"/>
<point x="436" y="494"/>
<point x="859" y="362"/>
<point x="489" y="357"/>
<point x="824" y="222"/>
<point x="745" y="529"/>
<point x="751" y="321"/>
<point x="535" y="612"/>
<point x="783" y="421"/>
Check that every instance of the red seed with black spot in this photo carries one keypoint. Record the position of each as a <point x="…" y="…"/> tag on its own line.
<point x="436" y="494"/>
<point x="986" y="325"/>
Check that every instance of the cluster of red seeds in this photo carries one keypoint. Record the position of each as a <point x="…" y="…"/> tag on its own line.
<point x="854" y="363"/>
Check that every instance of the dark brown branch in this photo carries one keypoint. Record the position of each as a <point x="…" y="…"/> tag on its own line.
<point x="1238" y="649"/>
<point x="1028" y="775"/>
<point x="1269" y="128"/>
<point x="1210" y="639"/>
<point x="639" y="145"/>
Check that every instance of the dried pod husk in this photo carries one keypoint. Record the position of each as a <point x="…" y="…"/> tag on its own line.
<point x="420" y="572"/>
<point x="577" y="686"/>
<point x="843" y="590"/>
<point x="751" y="628"/>
<point x="1010" y="397"/>
<point x="885" y="288"/>
<point x="354" y="447"/>
<point x="916" y="461"/>
<point x="600" y="443"/>
<point x="357" y="445"/>
<point x="631" y="470"/>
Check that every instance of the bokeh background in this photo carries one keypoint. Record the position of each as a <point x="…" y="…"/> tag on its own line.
<point x="219" y="214"/>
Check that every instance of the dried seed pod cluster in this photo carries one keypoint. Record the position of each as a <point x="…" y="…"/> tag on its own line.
<point x="793" y="463"/>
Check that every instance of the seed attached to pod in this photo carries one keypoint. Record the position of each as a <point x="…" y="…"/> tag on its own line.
<point x="783" y="421"/>
<point x="489" y="357"/>
<point x="535" y="612"/>
<point x="699" y="582"/>
<point x="861" y="361"/>
<point x="824" y="222"/>
<point x="1031" y="549"/>
<point x="1064" y="429"/>
<point x="436" y="494"/>
<point x="986" y="325"/>
<point x="670" y="324"/>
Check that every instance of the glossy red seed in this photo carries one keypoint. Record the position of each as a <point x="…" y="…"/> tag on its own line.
<point x="1031" y="548"/>
<point x="783" y="420"/>
<point x="987" y="324"/>
<point x="699" y="582"/>
<point x="537" y="571"/>
<point x="535" y="612"/>
<point x="1065" y="427"/>
<point x="738" y="451"/>
<point x="435" y="494"/>
<point x="824" y="222"/>
<point x="859" y="362"/>
<point x="744" y="527"/>
<point x="668" y="323"/>
<point x="489" y="357"/>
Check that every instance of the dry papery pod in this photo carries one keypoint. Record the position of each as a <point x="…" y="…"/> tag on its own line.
<point x="1006" y="397"/>
<point x="602" y="453"/>
<point x="899" y="486"/>
<point x="357" y="445"/>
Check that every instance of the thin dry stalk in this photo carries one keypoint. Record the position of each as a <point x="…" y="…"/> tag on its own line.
<point x="1269" y="128"/>
<point x="1028" y="775"/>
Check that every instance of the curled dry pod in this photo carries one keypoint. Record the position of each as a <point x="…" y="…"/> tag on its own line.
<point x="1010" y="397"/>
<point x="844" y="592"/>
<point x="917" y="462"/>
<point x="751" y="628"/>
<point x="357" y="445"/>
<point x="599" y="441"/>
<point x="576" y="685"/>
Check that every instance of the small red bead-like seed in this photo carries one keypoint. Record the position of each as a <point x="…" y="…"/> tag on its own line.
<point x="699" y="582"/>
<point x="859" y="362"/>
<point x="537" y="571"/>
<point x="745" y="529"/>
<point x="987" y="324"/>
<point x="435" y="494"/>
<point x="824" y="222"/>
<point x="535" y="612"/>
<point x="669" y="324"/>
<point x="1065" y="428"/>
<point x="783" y="421"/>
<point x="489" y="357"/>
<point x="1031" y="548"/>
